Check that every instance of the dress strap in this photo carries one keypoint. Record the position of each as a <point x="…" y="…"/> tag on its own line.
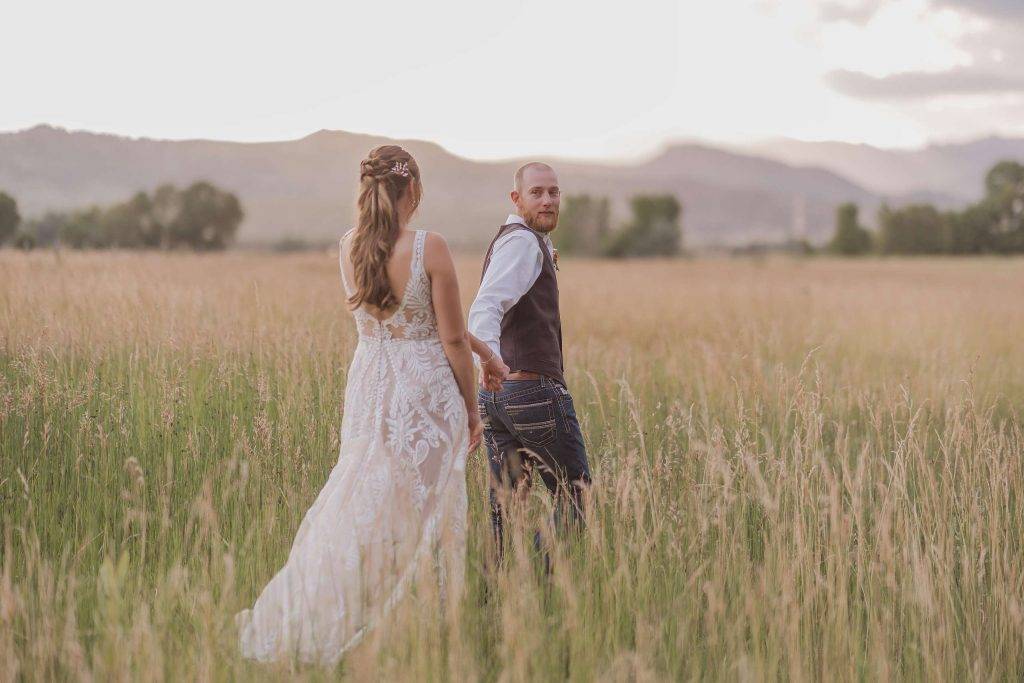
<point x="341" y="259"/>
<point x="417" y="254"/>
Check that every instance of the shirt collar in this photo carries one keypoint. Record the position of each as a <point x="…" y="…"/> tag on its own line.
<point x="516" y="218"/>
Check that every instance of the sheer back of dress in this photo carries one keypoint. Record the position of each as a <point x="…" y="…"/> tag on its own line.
<point x="414" y="317"/>
<point x="395" y="501"/>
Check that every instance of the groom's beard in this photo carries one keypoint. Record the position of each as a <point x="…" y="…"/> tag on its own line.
<point x="542" y="221"/>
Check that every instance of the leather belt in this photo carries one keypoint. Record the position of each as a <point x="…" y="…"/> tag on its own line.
<point x="524" y="374"/>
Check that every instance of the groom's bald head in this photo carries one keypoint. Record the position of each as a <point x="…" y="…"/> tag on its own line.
<point x="536" y="195"/>
<point x="517" y="182"/>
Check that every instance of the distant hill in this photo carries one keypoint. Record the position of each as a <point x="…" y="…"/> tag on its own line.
<point x="948" y="174"/>
<point x="306" y="188"/>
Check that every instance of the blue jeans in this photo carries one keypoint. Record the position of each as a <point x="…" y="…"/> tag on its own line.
<point x="531" y="425"/>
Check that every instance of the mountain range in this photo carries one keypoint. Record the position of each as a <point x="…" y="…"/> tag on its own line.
<point x="950" y="172"/>
<point x="306" y="188"/>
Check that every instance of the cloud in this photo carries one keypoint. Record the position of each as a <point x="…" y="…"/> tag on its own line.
<point x="924" y="84"/>
<point x="992" y="49"/>
<point x="856" y="13"/>
<point x="862" y="11"/>
<point x="992" y="9"/>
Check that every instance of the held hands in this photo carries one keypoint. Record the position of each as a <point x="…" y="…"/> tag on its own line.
<point x="493" y="372"/>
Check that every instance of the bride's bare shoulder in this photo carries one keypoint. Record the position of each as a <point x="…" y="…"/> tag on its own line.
<point x="436" y="253"/>
<point x="434" y="239"/>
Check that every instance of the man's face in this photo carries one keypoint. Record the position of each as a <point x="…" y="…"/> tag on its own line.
<point x="538" y="200"/>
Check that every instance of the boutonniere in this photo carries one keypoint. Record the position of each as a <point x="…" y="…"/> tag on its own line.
<point x="554" y="257"/>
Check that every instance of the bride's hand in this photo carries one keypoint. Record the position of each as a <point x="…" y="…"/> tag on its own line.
<point x="476" y="430"/>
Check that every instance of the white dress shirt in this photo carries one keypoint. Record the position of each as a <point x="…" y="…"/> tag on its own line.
<point x="516" y="262"/>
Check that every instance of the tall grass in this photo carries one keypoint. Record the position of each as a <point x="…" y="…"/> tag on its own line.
<point x="803" y="470"/>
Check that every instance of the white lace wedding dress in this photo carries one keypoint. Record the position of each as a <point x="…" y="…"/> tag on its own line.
<point x="394" y="502"/>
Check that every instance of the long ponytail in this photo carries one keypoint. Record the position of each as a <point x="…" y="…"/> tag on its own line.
<point x="383" y="176"/>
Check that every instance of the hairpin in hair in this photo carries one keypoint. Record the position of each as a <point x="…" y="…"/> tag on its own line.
<point x="401" y="168"/>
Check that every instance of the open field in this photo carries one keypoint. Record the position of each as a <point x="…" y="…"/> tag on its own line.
<point x="804" y="469"/>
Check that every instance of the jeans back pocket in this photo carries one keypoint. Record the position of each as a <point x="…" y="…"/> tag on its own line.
<point x="533" y="419"/>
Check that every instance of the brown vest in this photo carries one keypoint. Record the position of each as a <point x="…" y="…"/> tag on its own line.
<point x="531" y="331"/>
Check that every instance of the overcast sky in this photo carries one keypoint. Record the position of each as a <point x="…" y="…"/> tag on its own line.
<point x="496" y="79"/>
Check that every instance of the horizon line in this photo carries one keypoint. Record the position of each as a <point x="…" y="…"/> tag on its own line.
<point x="748" y="147"/>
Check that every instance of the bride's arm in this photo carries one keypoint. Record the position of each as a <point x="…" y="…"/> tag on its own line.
<point x="492" y="369"/>
<point x="451" y="325"/>
<point x="480" y="348"/>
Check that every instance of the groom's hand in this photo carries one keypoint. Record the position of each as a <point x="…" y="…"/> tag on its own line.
<point x="493" y="373"/>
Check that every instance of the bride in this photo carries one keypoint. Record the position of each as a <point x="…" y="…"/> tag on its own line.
<point x="396" y="499"/>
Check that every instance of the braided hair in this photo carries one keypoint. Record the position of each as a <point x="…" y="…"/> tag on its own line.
<point x="384" y="175"/>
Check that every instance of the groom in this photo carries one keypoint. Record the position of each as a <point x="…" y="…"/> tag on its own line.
<point x="530" y="423"/>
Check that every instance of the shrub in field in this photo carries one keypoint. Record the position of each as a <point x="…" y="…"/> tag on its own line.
<point x="201" y="217"/>
<point x="583" y="225"/>
<point x="851" y="238"/>
<point x="9" y="217"/>
<point x="917" y="229"/>
<point x="993" y="225"/>
<point x="653" y="231"/>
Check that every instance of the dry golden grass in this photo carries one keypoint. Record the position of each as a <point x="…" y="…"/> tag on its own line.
<point x="804" y="469"/>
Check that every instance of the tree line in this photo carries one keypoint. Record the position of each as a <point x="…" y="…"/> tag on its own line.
<point x="994" y="225"/>
<point x="584" y="227"/>
<point x="204" y="217"/>
<point x="200" y="217"/>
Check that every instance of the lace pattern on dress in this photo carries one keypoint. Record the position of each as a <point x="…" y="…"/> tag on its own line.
<point x="414" y="317"/>
<point x="395" y="498"/>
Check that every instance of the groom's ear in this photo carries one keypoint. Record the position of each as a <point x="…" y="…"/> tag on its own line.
<point x="514" y="195"/>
